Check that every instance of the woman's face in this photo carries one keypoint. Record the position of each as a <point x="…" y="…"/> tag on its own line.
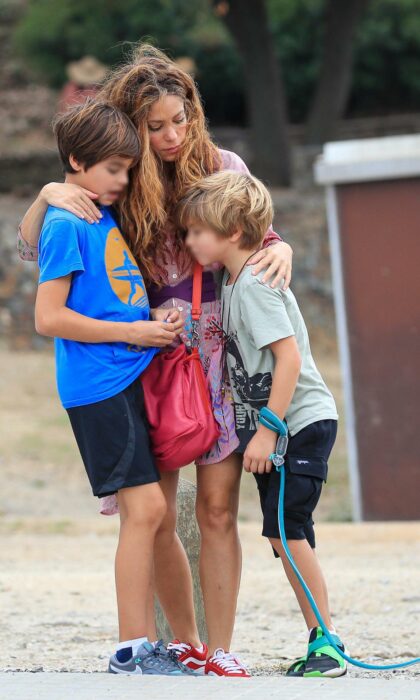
<point x="167" y="123"/>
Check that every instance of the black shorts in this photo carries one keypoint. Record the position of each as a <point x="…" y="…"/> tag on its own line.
<point x="306" y="467"/>
<point x="113" y="440"/>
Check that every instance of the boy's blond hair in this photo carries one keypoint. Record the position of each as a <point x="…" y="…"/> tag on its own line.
<point x="225" y="202"/>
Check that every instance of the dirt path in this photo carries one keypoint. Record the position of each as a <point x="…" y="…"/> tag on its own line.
<point x="56" y="585"/>
<point x="56" y="553"/>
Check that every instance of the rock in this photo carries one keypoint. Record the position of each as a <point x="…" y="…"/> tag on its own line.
<point x="190" y="536"/>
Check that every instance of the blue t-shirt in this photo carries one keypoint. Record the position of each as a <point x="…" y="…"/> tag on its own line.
<point x="107" y="285"/>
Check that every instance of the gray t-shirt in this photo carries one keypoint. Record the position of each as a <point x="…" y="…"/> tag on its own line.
<point x="259" y="315"/>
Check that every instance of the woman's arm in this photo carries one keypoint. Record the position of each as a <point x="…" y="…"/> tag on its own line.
<point x="276" y="260"/>
<point x="53" y="318"/>
<point x="57" y="194"/>
<point x="26" y="252"/>
<point x="271" y="238"/>
<point x="30" y="228"/>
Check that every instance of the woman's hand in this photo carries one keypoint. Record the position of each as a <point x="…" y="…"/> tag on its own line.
<point x="276" y="260"/>
<point x="159" y="333"/>
<point x="259" y="448"/>
<point x="73" y="198"/>
<point x="169" y="316"/>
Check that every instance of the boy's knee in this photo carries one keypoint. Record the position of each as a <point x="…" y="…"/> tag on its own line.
<point x="146" y="513"/>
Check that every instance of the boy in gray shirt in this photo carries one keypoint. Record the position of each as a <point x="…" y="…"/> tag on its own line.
<point x="270" y="366"/>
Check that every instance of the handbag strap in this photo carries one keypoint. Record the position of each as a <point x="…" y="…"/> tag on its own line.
<point x="196" y="309"/>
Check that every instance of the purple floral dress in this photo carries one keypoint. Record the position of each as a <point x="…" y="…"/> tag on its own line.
<point x="210" y="336"/>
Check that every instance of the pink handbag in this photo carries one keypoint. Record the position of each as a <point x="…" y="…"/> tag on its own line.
<point x="177" y="399"/>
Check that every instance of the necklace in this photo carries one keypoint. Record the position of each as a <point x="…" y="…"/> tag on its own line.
<point x="225" y="335"/>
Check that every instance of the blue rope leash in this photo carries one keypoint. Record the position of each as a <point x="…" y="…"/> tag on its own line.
<point x="272" y="421"/>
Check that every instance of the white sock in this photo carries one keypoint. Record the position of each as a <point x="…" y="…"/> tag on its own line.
<point x="133" y="643"/>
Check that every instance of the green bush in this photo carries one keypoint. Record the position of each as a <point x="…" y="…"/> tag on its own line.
<point x="387" y="65"/>
<point x="386" y="54"/>
<point x="54" y="32"/>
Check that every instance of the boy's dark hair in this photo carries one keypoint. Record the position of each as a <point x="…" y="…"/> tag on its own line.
<point x="94" y="131"/>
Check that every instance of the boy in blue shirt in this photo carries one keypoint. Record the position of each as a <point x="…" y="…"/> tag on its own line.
<point x="270" y="371"/>
<point x="92" y="299"/>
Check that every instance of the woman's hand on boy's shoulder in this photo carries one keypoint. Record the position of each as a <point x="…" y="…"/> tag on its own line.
<point x="259" y="448"/>
<point x="276" y="260"/>
<point x="73" y="198"/>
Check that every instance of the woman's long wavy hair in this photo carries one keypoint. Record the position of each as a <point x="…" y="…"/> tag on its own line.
<point x="154" y="189"/>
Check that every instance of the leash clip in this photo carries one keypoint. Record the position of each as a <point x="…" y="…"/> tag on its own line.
<point x="277" y="460"/>
<point x="277" y="457"/>
<point x="272" y="421"/>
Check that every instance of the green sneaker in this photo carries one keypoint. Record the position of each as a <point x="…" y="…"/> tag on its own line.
<point x="322" y="660"/>
<point x="297" y="668"/>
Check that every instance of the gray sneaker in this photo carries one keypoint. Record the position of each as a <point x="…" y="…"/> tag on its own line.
<point x="163" y="652"/>
<point x="150" y="661"/>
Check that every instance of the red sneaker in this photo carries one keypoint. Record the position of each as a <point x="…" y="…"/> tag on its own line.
<point x="223" y="663"/>
<point x="189" y="655"/>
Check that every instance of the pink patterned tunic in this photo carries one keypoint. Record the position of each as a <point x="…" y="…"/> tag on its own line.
<point x="210" y="335"/>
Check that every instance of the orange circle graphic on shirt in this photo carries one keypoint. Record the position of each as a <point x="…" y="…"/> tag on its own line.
<point x="123" y="273"/>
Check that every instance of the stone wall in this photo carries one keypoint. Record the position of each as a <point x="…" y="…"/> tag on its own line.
<point x="300" y="219"/>
<point x="18" y="281"/>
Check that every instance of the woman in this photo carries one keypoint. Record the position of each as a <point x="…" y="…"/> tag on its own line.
<point x="164" y="104"/>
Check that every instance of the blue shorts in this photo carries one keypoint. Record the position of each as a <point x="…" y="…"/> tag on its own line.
<point x="306" y="468"/>
<point x="112" y="436"/>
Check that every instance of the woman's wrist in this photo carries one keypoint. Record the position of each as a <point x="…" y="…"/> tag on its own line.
<point x="43" y="195"/>
<point x="283" y="242"/>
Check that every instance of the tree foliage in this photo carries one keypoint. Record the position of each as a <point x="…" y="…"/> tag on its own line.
<point x="387" y="48"/>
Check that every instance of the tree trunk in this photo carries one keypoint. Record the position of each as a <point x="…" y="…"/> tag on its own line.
<point x="332" y="92"/>
<point x="248" y="24"/>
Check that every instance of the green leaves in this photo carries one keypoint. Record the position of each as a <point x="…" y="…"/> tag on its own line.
<point x="387" y="47"/>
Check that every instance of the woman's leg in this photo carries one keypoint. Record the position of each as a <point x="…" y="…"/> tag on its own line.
<point x="220" y="557"/>
<point x="142" y="509"/>
<point x="173" y="578"/>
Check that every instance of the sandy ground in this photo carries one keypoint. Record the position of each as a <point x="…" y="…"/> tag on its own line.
<point x="58" y="600"/>
<point x="43" y="475"/>
<point x="56" y="553"/>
